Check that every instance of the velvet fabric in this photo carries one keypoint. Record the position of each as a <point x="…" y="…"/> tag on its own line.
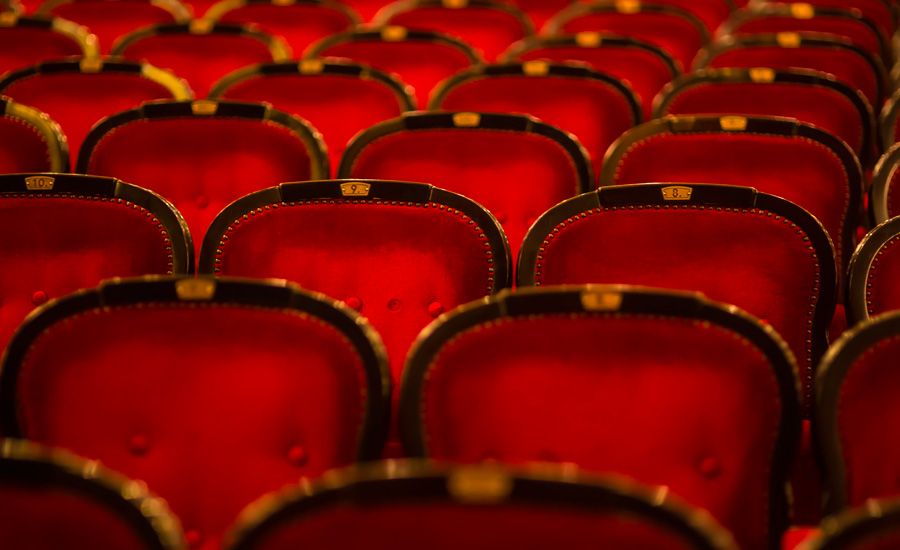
<point x="111" y="20"/>
<point x="22" y="147"/>
<point x="211" y="406"/>
<point x="592" y="110"/>
<point x="878" y="11"/>
<point x="366" y="9"/>
<point x="846" y="65"/>
<point x="201" y="59"/>
<point x="823" y="107"/>
<point x="670" y="31"/>
<point x="597" y="391"/>
<point x="421" y="261"/>
<point x="854" y="30"/>
<point x="515" y="175"/>
<point x="800" y="170"/>
<point x="420" y="63"/>
<point x="769" y="269"/>
<point x="539" y="10"/>
<point x="47" y="236"/>
<point x="882" y="291"/>
<point x="339" y="106"/>
<point x="201" y="164"/>
<point x="77" y="101"/>
<point x="646" y="72"/>
<point x="488" y="30"/>
<point x="712" y="12"/>
<point x="25" y="46"/>
<point x="198" y="7"/>
<point x="298" y="24"/>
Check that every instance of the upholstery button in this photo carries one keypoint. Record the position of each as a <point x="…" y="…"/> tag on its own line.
<point x="354" y="303"/>
<point x="202" y="202"/>
<point x="139" y="444"/>
<point x="435" y="309"/>
<point x="39" y="297"/>
<point x="394" y="304"/>
<point x="297" y="455"/>
<point x="710" y="467"/>
<point x="193" y="538"/>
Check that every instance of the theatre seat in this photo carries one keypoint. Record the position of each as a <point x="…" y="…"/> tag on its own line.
<point x="873" y="273"/>
<point x="712" y="12"/>
<point x="298" y="23"/>
<point x="110" y="20"/>
<point x="202" y="155"/>
<point x="422" y="59"/>
<point x="514" y="165"/>
<point x="808" y="96"/>
<point x="879" y="11"/>
<point x="366" y="9"/>
<point x="50" y="499"/>
<point x="540" y="11"/>
<point x="735" y="244"/>
<point x="212" y="392"/>
<point x="884" y="202"/>
<point x="645" y="67"/>
<point x="873" y="526"/>
<point x="339" y="99"/>
<point x="201" y="52"/>
<point x="666" y="388"/>
<point x="888" y="121"/>
<point x="78" y="93"/>
<point x="30" y="141"/>
<point x="480" y="508"/>
<point x="25" y="41"/>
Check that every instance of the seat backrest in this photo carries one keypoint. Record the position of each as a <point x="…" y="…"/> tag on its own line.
<point x="856" y="403"/>
<point x="201" y="52"/>
<point x="499" y="507"/>
<point x="595" y="107"/>
<point x="887" y="122"/>
<point x="885" y="202"/>
<point x="26" y="40"/>
<point x="513" y="165"/>
<point x="712" y="12"/>
<point x="646" y="68"/>
<point x="788" y="50"/>
<point x="879" y="11"/>
<point x="433" y="249"/>
<point x="422" y="59"/>
<point x="782" y="157"/>
<point x="673" y="29"/>
<point x="202" y="155"/>
<point x="875" y="526"/>
<point x="366" y="9"/>
<point x="809" y="96"/>
<point x="52" y="222"/>
<point x="211" y="391"/>
<point x="587" y="376"/>
<point x="873" y="273"/>
<point x="297" y="23"/>
<point x="339" y="99"/>
<point x="78" y="93"/>
<point x="50" y="499"/>
<point x="110" y="20"/>
<point x="734" y="244"/>
<point x="488" y="26"/>
<point x="30" y="141"/>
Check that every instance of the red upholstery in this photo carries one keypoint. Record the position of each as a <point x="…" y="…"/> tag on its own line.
<point x="878" y="11"/>
<point x="29" y="141"/>
<point x="539" y="10"/>
<point x="299" y="23"/>
<point x="881" y="289"/>
<point x="711" y="12"/>
<point x="644" y="67"/>
<point x="885" y="202"/>
<point x="201" y="59"/>
<point x="366" y="8"/>
<point x="24" y="45"/>
<point x="583" y="103"/>
<point x="110" y="20"/>
<point x="488" y="29"/>
<point x="198" y="8"/>
<point x="339" y="103"/>
<point x="514" y="174"/>
<point x="78" y="100"/>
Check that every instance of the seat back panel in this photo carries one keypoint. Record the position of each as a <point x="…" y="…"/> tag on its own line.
<point x="23" y="150"/>
<point x="298" y="24"/>
<point x="110" y="21"/>
<point x="24" y="46"/>
<point x="854" y="30"/>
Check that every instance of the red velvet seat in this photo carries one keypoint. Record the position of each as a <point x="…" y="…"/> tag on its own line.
<point x="79" y="93"/>
<point x="51" y="499"/>
<point x="888" y="121"/>
<point x="809" y="96"/>
<point x="514" y="165"/>
<point x="73" y="231"/>
<point x="110" y="20"/>
<point x="203" y="155"/>
<point x="488" y="26"/>
<point x="339" y="99"/>
<point x="201" y="52"/>
<point x="825" y="53"/>
<point x="874" y="272"/>
<point x="299" y="23"/>
<point x="673" y="29"/>
<point x="879" y="11"/>
<point x="480" y="508"/>
<point x="212" y="392"/>
<point x="540" y="10"/>
<point x="25" y="41"/>
<point x="875" y="526"/>
<point x="782" y="157"/>
<point x="366" y="9"/>
<point x="856" y="409"/>
<point x="666" y="388"/>
<point x="422" y="59"/>
<point x="645" y="67"/>
<point x="595" y="107"/>
<point x="712" y="12"/>
<point x="736" y="245"/>
<point x="30" y="141"/>
<point x="432" y="250"/>
<point x="885" y="202"/>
